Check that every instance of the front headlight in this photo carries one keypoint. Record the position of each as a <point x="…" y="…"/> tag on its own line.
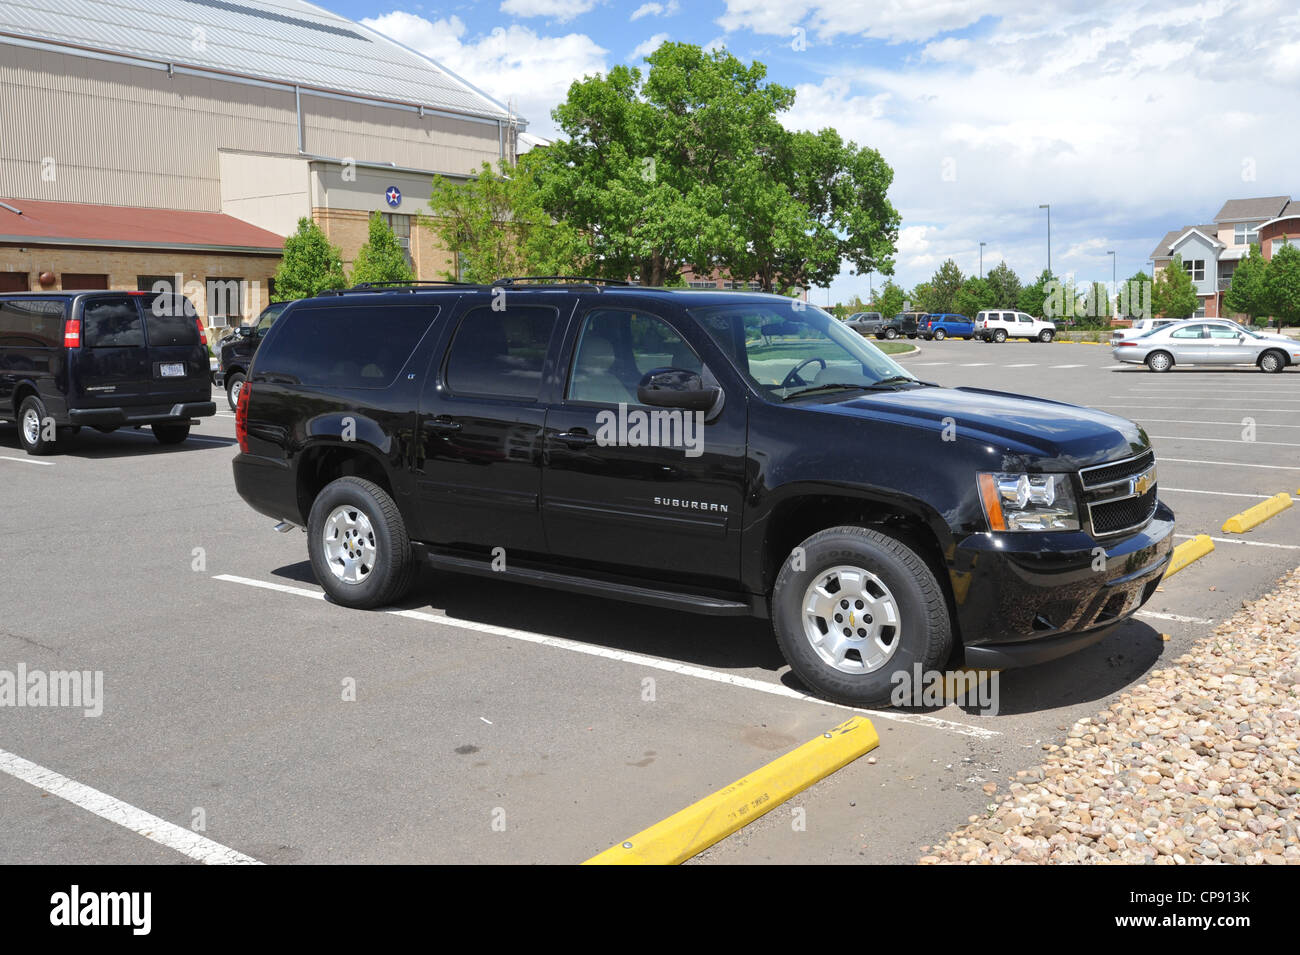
<point x="1028" y="502"/>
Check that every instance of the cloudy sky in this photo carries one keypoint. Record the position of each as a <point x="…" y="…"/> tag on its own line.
<point x="1129" y="118"/>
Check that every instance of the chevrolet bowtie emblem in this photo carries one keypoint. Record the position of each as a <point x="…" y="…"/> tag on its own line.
<point x="1144" y="481"/>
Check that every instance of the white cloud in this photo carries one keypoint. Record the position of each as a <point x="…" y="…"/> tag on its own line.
<point x="561" y="10"/>
<point x="510" y="63"/>
<point x="947" y="49"/>
<point x="655" y="10"/>
<point x="648" y="46"/>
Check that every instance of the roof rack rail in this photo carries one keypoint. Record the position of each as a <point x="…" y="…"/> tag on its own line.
<point x="557" y="279"/>
<point x="411" y="284"/>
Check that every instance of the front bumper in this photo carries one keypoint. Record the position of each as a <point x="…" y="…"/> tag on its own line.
<point x="1027" y="598"/>
<point x="117" y="417"/>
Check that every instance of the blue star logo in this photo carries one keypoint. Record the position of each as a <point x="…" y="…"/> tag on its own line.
<point x="393" y="196"/>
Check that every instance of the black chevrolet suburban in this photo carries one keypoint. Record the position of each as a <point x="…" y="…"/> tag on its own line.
<point x="236" y="352"/>
<point x="716" y="452"/>
<point x="102" y="359"/>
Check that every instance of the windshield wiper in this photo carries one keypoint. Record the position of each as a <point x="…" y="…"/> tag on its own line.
<point x="834" y="386"/>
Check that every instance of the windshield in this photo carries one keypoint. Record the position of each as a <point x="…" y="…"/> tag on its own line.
<point x="785" y="349"/>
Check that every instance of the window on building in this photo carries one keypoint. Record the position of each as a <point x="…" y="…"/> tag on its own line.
<point x="401" y="226"/>
<point x="1195" y="268"/>
<point x="225" y="301"/>
<point x="1244" y="233"/>
<point x="701" y="283"/>
<point x="77" y="281"/>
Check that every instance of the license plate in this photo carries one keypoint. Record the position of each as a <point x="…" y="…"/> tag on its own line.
<point x="176" y="370"/>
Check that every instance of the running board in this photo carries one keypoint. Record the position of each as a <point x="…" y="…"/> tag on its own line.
<point x="676" y="600"/>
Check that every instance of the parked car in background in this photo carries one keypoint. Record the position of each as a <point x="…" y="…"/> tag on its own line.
<point x="865" y="323"/>
<point x="1198" y="341"/>
<point x="237" y="352"/>
<point x="104" y="360"/>
<point x="1140" y="327"/>
<point x="997" y="325"/>
<point x="943" y="325"/>
<point x="904" y="323"/>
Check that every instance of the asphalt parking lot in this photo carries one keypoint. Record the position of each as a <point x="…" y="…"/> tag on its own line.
<point x="488" y="722"/>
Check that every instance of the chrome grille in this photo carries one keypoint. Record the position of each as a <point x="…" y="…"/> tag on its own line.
<point x="1121" y="495"/>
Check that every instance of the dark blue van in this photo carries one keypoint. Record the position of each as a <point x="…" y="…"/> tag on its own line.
<point x="104" y="360"/>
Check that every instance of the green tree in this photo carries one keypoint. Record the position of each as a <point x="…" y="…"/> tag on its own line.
<point x="1282" y="285"/>
<point x="381" y="259"/>
<point x="1096" y="308"/>
<point x="1004" y="285"/>
<point x="309" y="264"/>
<point x="1174" y="295"/>
<point x="890" y="298"/>
<point x="494" y="225"/>
<point x="974" y="296"/>
<point x="1033" y="298"/>
<point x="922" y="298"/>
<point x="1248" y="294"/>
<point x="944" y="286"/>
<point x="688" y="165"/>
<point x="1135" y="297"/>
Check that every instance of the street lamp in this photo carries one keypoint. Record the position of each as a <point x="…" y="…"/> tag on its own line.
<point x="982" y="244"/>
<point x="1048" y="207"/>
<point x="1114" y="290"/>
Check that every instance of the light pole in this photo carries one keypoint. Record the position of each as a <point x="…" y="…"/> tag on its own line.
<point x="1048" y="207"/>
<point x="1113" y="289"/>
<point x="982" y="244"/>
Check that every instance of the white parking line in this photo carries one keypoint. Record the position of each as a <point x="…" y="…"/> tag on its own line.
<point x="975" y="364"/>
<point x="1236" y="540"/>
<point x="639" y="659"/>
<point x="1234" y="424"/>
<point x="105" y="806"/>
<point x="1215" y="398"/>
<point x="1171" y="616"/>
<point x="1069" y="366"/>
<point x="1232" y="464"/>
<point x="44" y="464"/>
<point x="1188" y="437"/>
<point x="929" y="364"/>
<point x="1188" y="490"/>
<point x="1026" y="364"/>
<point x="1183" y="407"/>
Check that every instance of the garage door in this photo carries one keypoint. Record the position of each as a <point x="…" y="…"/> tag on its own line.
<point x="83" y="280"/>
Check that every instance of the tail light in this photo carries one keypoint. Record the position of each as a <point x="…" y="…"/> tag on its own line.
<point x="72" y="333"/>
<point x="1127" y="345"/>
<point x="203" y="335"/>
<point x="241" y="416"/>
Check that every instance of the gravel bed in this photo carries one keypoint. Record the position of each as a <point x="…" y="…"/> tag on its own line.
<point x="1198" y="764"/>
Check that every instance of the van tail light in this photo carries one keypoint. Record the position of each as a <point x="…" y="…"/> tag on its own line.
<point x="72" y="333"/>
<point x="203" y="335"/>
<point x="241" y="416"/>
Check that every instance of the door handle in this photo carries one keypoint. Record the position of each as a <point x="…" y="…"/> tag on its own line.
<point x="577" y="438"/>
<point x="443" y="423"/>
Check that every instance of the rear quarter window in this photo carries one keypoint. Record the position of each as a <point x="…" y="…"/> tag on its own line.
<point x="34" y="323"/>
<point x="112" y="323"/>
<point x="344" y="346"/>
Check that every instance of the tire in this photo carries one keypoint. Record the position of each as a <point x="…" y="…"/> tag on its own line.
<point x="1160" y="361"/>
<point x="940" y="335"/>
<point x="171" y="433"/>
<point x="875" y="566"/>
<point x="1000" y="335"/>
<point x="360" y="508"/>
<point x="1272" y="362"/>
<point x="31" y="428"/>
<point x="233" y="384"/>
<point x="1046" y="335"/>
<point x="891" y="333"/>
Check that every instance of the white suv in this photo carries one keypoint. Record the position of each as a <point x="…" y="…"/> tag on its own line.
<point x="998" y="326"/>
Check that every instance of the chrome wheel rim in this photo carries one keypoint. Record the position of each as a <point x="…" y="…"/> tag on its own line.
<point x="235" y="388"/>
<point x="348" y="541"/>
<point x="31" y="426"/>
<point x="1160" y="361"/>
<point x="851" y="620"/>
<point x="1269" y="363"/>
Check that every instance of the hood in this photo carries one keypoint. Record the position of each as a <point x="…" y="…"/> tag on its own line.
<point x="1019" y="427"/>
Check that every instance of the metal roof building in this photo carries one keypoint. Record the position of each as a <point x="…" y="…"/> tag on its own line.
<point x="257" y="112"/>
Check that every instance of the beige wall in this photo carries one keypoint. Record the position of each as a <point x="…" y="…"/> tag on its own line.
<point x="77" y="129"/>
<point x="124" y="267"/>
<point x="349" y="228"/>
<point x="272" y="192"/>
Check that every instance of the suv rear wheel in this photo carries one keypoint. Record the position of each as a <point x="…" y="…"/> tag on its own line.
<point x="940" y="334"/>
<point x="359" y="547"/>
<point x="233" y="385"/>
<point x="31" y="427"/>
<point x="171" y="433"/>
<point x="891" y="332"/>
<point x="864" y="607"/>
<point x="999" y="335"/>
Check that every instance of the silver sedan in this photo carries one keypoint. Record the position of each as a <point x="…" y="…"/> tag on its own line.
<point x="1212" y="341"/>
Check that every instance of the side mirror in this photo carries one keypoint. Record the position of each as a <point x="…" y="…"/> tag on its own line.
<point x="247" y="331"/>
<point x="677" y="388"/>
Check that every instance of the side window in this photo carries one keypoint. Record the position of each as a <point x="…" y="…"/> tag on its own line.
<point x="345" y="346"/>
<point x="1190" y="331"/>
<point x="112" y="323"/>
<point x="500" y="353"/>
<point x="1222" y="331"/>
<point x="616" y="348"/>
<point x="31" y="324"/>
<point x="268" y="318"/>
<point x="171" y="320"/>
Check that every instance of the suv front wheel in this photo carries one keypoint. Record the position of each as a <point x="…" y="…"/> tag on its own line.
<point x="359" y="547"/>
<point x="863" y="607"/>
<point x="233" y="385"/>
